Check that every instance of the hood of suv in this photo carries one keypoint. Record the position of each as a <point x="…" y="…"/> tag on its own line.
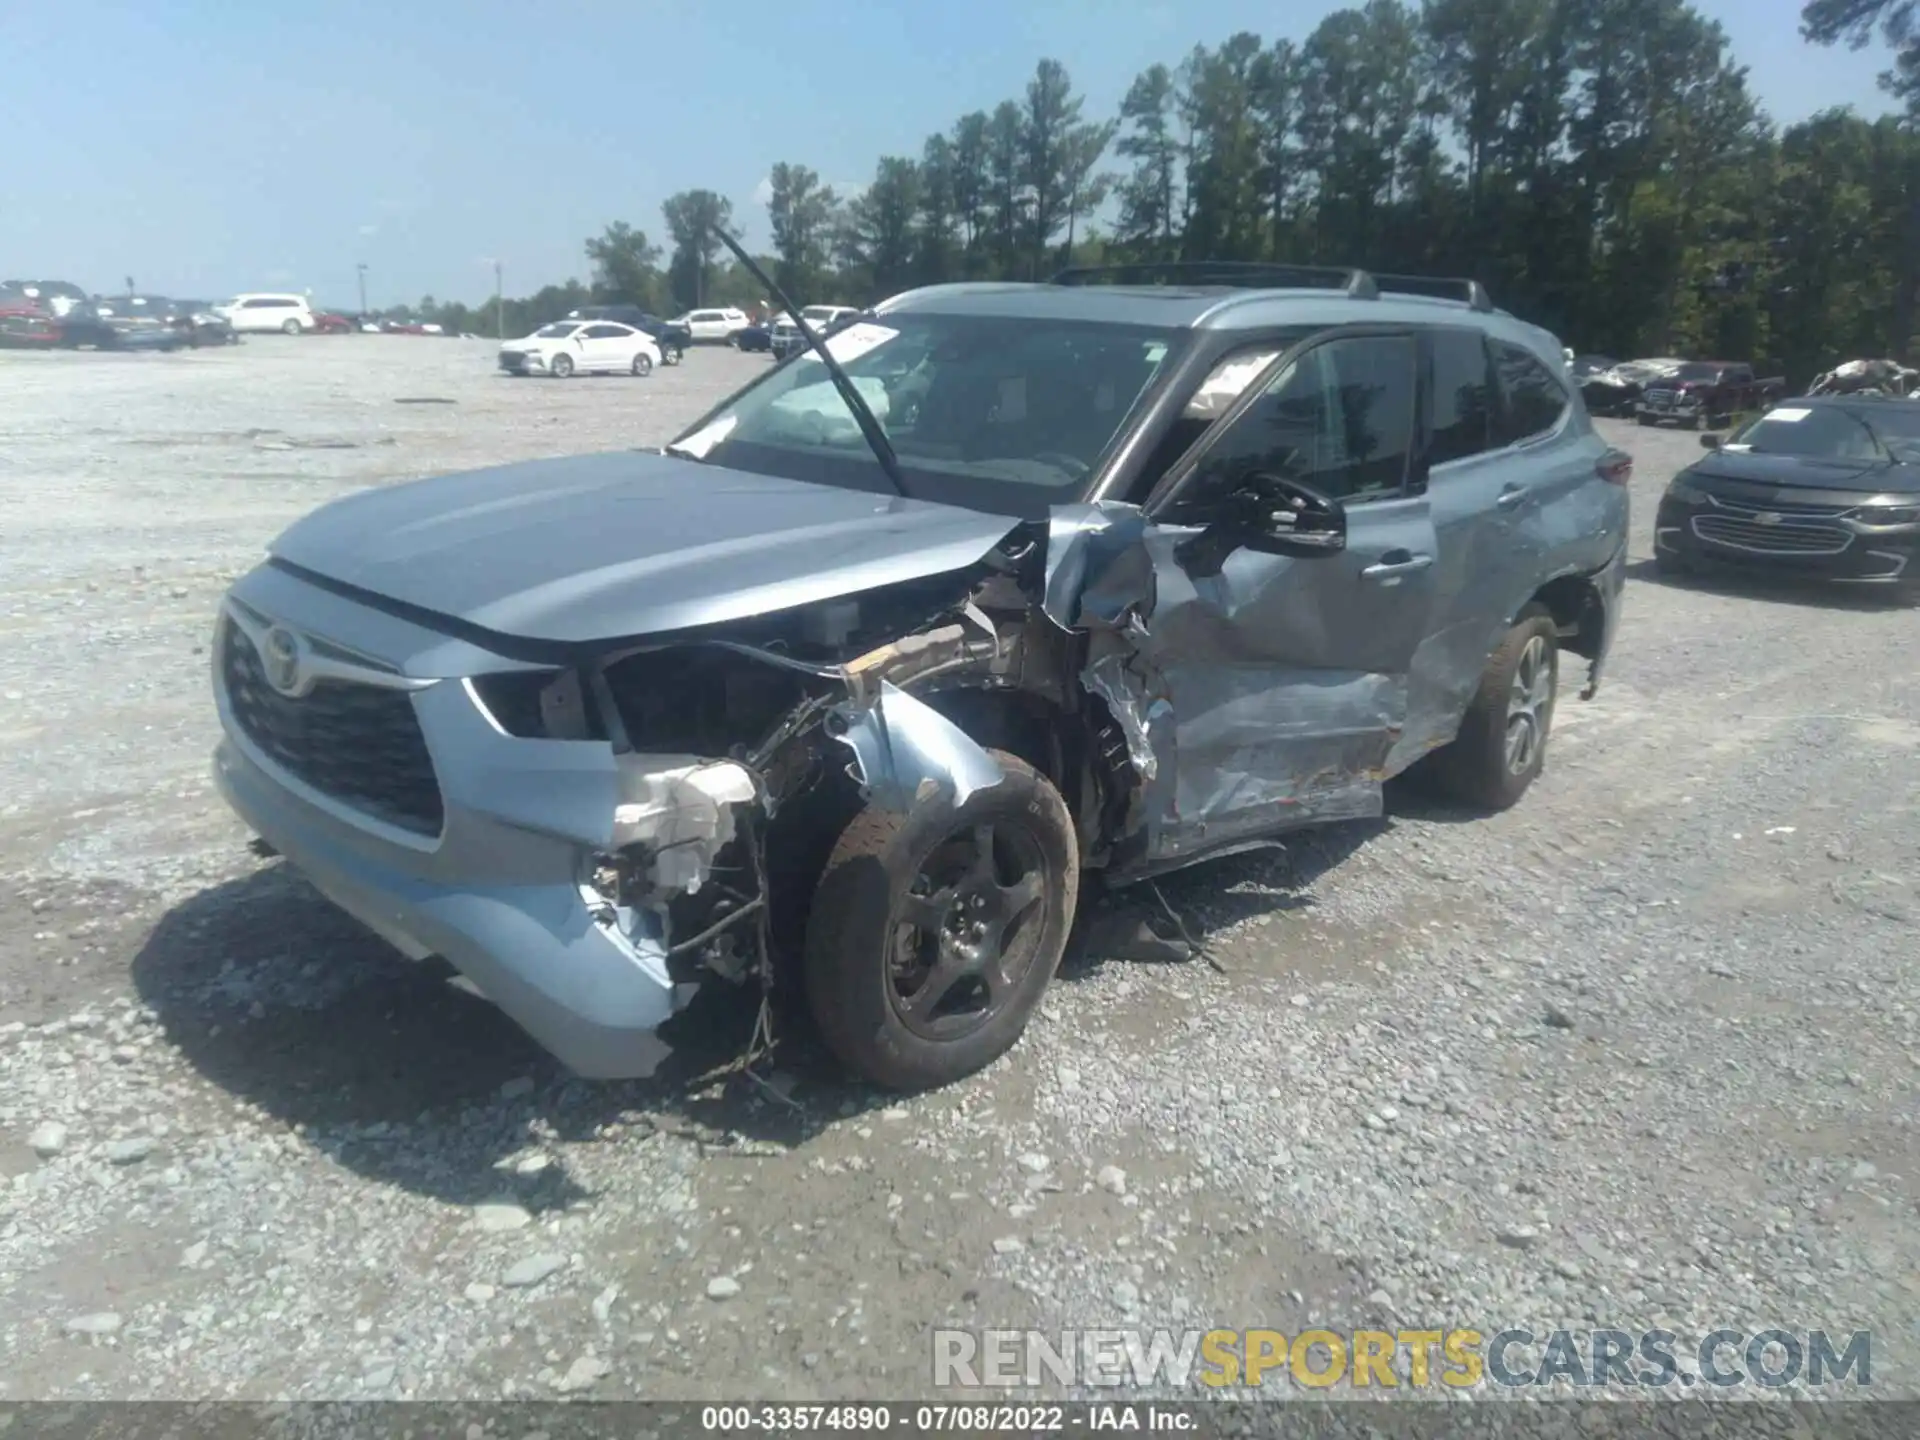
<point x="600" y="547"/>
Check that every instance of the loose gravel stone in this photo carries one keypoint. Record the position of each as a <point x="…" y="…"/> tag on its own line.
<point x="499" y="1216"/>
<point x="48" y="1139"/>
<point x="130" y="1151"/>
<point x="103" y="1322"/>
<point x="529" y="1272"/>
<point x="722" y="1287"/>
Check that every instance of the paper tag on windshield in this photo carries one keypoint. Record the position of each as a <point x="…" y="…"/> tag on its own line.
<point x="1789" y="414"/>
<point x="855" y="341"/>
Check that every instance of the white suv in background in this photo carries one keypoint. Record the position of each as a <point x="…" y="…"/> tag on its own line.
<point x="713" y="326"/>
<point x="257" y="314"/>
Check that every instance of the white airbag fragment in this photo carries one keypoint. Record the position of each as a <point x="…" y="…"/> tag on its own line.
<point x="682" y="809"/>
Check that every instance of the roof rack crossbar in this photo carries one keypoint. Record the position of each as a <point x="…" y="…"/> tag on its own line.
<point x="1239" y="275"/>
<point x="1438" y="287"/>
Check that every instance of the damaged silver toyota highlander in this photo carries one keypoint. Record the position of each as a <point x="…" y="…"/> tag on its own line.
<point x="859" y="682"/>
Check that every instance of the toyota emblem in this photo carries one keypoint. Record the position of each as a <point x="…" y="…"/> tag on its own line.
<point x="283" y="657"/>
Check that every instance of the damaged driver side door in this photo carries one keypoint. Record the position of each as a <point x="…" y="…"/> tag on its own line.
<point x="1293" y="561"/>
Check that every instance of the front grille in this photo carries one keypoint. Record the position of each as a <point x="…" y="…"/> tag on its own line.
<point x="1733" y="495"/>
<point x="1741" y="533"/>
<point x="359" y="744"/>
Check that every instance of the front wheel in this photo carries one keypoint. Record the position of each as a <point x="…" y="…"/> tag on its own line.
<point x="562" y="367"/>
<point x="1502" y="743"/>
<point x="933" y="935"/>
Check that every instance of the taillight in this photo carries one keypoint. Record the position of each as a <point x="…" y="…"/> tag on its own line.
<point x="1615" y="467"/>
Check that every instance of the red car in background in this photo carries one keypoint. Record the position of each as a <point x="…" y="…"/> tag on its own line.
<point x="325" y="322"/>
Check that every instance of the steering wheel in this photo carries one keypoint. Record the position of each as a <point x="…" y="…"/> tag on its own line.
<point x="1072" y="464"/>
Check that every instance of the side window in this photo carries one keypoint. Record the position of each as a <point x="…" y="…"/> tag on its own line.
<point x="603" y="332"/>
<point x="1532" y="400"/>
<point x="1462" y="396"/>
<point x="1339" y="419"/>
<point x="260" y="304"/>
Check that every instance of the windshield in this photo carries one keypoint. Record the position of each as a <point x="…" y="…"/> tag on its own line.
<point x="995" y="412"/>
<point x="559" y="330"/>
<point x="1832" y="432"/>
<point x="1699" y="372"/>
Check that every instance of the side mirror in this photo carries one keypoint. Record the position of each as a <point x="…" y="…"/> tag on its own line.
<point x="1710" y="441"/>
<point x="1270" y="515"/>
<point x="1277" y="516"/>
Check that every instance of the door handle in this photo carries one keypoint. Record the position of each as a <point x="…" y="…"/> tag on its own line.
<point x="1396" y="563"/>
<point x="1511" y="496"/>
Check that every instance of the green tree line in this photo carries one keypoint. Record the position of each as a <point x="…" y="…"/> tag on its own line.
<point x="1600" y="165"/>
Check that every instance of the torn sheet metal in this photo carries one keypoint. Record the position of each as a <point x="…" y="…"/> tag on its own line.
<point x="1082" y="542"/>
<point x="906" y="753"/>
<point x="1226" y="739"/>
<point x="681" y="809"/>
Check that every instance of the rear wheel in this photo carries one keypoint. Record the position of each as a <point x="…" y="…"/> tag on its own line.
<point x="933" y="935"/>
<point x="562" y="366"/>
<point x="1502" y="743"/>
<point x="642" y="364"/>
<point x="292" y="327"/>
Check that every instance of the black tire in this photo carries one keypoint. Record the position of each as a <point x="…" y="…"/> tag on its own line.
<point x="562" y="366"/>
<point x="857" y="924"/>
<point x="643" y="365"/>
<point x="1642" y="420"/>
<point x="292" y="327"/>
<point x="1479" y="766"/>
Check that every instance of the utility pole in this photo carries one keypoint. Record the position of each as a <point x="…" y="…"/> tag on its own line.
<point x="362" y="268"/>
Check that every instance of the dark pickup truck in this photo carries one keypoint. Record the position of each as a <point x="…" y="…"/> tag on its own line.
<point x="1706" y="393"/>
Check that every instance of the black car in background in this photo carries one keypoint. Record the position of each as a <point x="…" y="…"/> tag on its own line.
<point x="1826" y="488"/>
<point x="672" y="339"/>
<point x="123" y="322"/>
<point x="754" y="339"/>
<point x="198" y="322"/>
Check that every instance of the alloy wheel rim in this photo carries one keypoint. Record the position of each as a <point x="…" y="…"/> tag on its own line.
<point x="966" y="935"/>
<point x="1529" y="701"/>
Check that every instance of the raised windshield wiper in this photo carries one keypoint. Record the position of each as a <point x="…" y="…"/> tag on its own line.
<point x="869" y="425"/>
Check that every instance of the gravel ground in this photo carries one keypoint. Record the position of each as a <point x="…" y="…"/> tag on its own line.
<point x="1640" y="1053"/>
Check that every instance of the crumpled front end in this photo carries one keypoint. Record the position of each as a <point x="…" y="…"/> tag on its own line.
<point x="584" y="841"/>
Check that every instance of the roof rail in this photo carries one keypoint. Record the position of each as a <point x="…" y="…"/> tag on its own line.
<point x="1238" y="275"/>
<point x="1438" y="287"/>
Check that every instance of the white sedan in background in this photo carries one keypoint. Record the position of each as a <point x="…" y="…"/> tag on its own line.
<point x="581" y="347"/>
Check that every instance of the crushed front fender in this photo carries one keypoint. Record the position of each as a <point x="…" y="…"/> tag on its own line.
<point x="906" y="753"/>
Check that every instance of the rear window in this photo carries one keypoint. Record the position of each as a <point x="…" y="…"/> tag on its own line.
<point x="1531" y="398"/>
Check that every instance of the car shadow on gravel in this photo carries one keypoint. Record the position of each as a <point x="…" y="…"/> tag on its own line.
<point x="1135" y="925"/>
<point x="1778" y="590"/>
<point x="294" y="1010"/>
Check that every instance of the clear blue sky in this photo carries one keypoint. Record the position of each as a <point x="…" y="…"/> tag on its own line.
<point x="209" y="146"/>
